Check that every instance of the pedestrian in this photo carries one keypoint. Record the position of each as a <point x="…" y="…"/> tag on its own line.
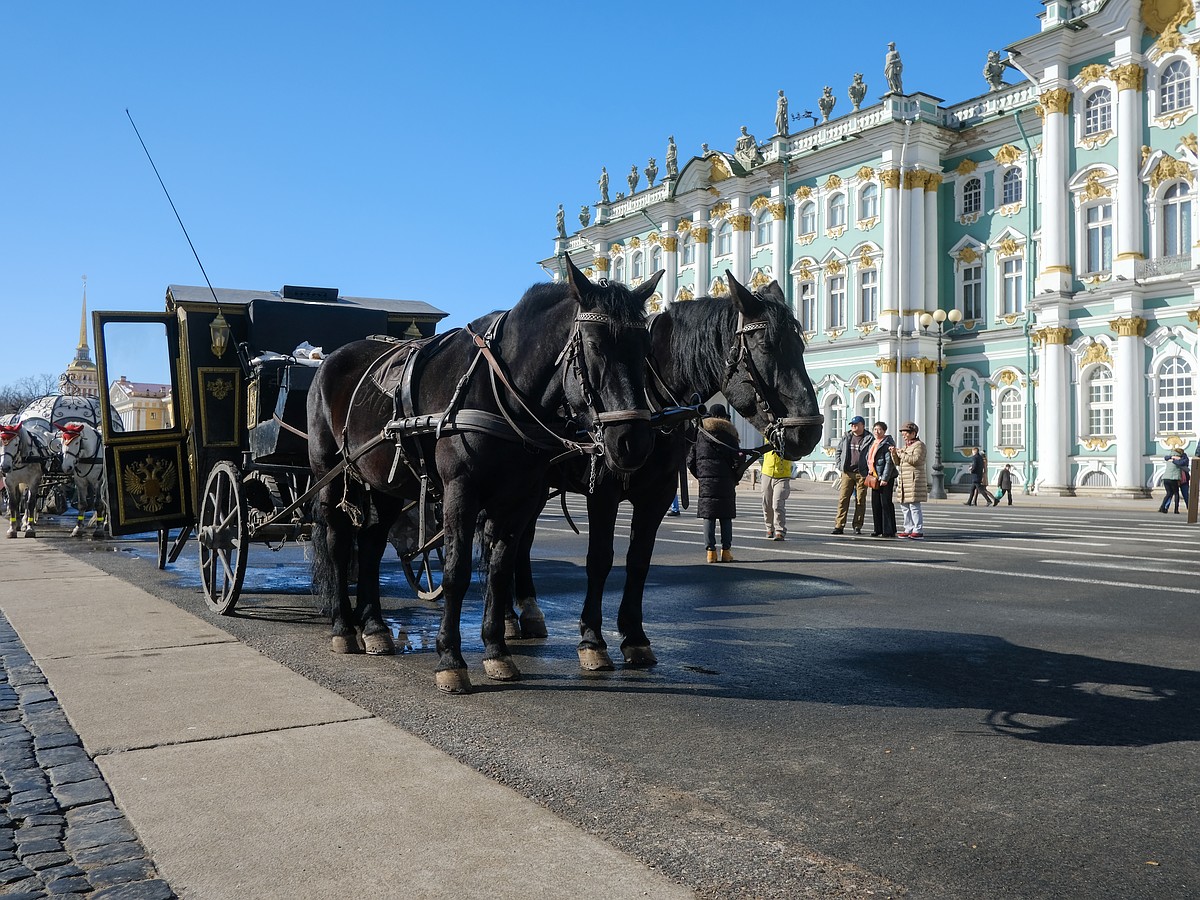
<point x="1172" y="479"/>
<point x="852" y="464"/>
<point x="776" y="487"/>
<point x="881" y="479"/>
<point x="715" y="460"/>
<point x="979" y="480"/>
<point x="674" y="510"/>
<point x="1185" y="477"/>
<point x="1004" y="484"/>
<point x="912" y="487"/>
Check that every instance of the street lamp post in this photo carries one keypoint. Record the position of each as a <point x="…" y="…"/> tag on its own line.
<point x="937" y="490"/>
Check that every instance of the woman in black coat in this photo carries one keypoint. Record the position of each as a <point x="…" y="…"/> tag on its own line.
<point x="714" y="459"/>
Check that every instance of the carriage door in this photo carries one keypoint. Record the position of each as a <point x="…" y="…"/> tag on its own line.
<point x="145" y="456"/>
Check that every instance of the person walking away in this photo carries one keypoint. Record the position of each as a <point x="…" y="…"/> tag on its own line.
<point x="674" y="510"/>
<point x="852" y="463"/>
<point x="881" y="479"/>
<point x="1004" y="484"/>
<point x="912" y="487"/>
<point x="777" y="487"/>
<point x="979" y="480"/>
<point x="1185" y="476"/>
<point x="1172" y="478"/>
<point x="714" y="460"/>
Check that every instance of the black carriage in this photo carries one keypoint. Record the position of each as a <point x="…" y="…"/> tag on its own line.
<point x="214" y="422"/>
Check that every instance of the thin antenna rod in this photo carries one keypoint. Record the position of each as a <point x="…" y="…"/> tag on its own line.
<point x="174" y="210"/>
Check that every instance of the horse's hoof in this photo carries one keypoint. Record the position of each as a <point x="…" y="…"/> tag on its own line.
<point x="593" y="660"/>
<point x="76" y="532"/>
<point x="29" y="532"/>
<point x="344" y="643"/>
<point x="533" y="624"/>
<point x="501" y="669"/>
<point x="379" y="644"/>
<point x="10" y="533"/>
<point x="512" y="630"/>
<point x="639" y="657"/>
<point x="452" y="681"/>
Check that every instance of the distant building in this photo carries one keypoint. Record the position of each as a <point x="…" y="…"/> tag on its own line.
<point x="1057" y="214"/>
<point x="142" y="406"/>
<point x="80" y="378"/>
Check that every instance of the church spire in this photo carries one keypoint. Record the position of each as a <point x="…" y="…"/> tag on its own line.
<point x="83" y="344"/>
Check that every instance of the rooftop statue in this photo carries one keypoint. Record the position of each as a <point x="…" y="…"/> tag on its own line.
<point x="781" y="115"/>
<point x="633" y="178"/>
<point x="826" y="103"/>
<point x="672" y="158"/>
<point x="651" y="173"/>
<point x="892" y="67"/>
<point x="993" y="70"/>
<point x="858" y="90"/>
<point x="603" y="182"/>
<point x="585" y="216"/>
<point x="559" y="223"/>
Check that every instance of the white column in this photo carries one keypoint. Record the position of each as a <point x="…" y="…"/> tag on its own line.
<point x="741" y="220"/>
<point x="889" y="280"/>
<point x="1053" y="411"/>
<point x="1129" y="402"/>
<point x="778" y="210"/>
<point x="702" y="235"/>
<point x="913" y="298"/>
<point x="1130" y="209"/>
<point x="602" y="262"/>
<point x="670" y="247"/>
<point x="889" y="398"/>
<point x="1055" y="274"/>
<point x="932" y="184"/>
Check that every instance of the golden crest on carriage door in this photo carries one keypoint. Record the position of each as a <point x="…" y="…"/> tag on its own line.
<point x="150" y="483"/>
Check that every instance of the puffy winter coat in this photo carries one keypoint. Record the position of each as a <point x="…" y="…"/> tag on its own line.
<point x="913" y="486"/>
<point x="713" y="459"/>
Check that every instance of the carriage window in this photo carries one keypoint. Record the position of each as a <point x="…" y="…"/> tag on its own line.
<point x="138" y="363"/>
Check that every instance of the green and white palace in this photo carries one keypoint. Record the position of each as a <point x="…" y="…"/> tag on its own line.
<point x="1051" y="219"/>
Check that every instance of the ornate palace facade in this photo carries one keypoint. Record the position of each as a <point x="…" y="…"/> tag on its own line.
<point x="1056" y="213"/>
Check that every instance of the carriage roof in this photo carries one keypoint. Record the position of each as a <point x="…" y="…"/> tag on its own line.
<point x="61" y="409"/>
<point x="183" y="294"/>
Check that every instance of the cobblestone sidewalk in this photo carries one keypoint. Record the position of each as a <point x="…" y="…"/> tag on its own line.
<point x="60" y="832"/>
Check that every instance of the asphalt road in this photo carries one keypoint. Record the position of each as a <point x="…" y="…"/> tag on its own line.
<point x="1009" y="709"/>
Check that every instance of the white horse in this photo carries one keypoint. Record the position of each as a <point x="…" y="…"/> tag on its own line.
<point x="81" y="453"/>
<point x="24" y="451"/>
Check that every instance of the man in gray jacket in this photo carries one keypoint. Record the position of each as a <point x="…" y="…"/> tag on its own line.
<point x="852" y="463"/>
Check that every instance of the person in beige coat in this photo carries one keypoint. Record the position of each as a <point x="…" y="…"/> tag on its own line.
<point x="912" y="488"/>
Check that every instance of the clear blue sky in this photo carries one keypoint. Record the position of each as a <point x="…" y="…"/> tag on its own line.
<point x="389" y="149"/>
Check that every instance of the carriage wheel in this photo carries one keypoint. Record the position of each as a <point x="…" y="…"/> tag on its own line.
<point x="223" y="538"/>
<point x="424" y="572"/>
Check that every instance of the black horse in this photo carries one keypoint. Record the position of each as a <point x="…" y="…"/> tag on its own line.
<point x="476" y="416"/>
<point x="751" y="349"/>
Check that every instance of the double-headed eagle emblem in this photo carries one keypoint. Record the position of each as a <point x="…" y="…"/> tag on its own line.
<point x="150" y="483"/>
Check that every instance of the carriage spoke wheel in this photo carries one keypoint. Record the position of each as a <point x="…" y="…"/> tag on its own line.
<point x="223" y="537"/>
<point x="423" y="570"/>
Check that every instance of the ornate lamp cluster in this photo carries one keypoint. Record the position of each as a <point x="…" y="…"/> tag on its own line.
<point x="939" y="317"/>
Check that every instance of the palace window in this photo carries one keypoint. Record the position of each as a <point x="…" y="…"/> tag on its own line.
<point x="689" y="250"/>
<point x="868" y="296"/>
<point x="837" y="210"/>
<point x="972" y="197"/>
<point x="1097" y="112"/>
<point x="1175" y="87"/>
<point x="808" y="218"/>
<point x="1013" y="275"/>
<point x="1013" y="190"/>
<point x="619" y="270"/>
<point x="837" y="302"/>
<point x="972" y="292"/>
<point x="1099" y="237"/>
<point x="762" y="229"/>
<point x="807" y="312"/>
<point x="868" y="408"/>
<point x="1176" y="396"/>
<point x="1177" y="220"/>
<point x="969" y="428"/>
<point x="1100" y="402"/>
<point x="724" y="239"/>
<point x="637" y="267"/>
<point x="868" y="202"/>
<point x="1012" y="418"/>
<point x="656" y="259"/>
<point x="835" y="420"/>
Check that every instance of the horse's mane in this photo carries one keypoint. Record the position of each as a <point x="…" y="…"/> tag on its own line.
<point x="611" y="298"/>
<point x="703" y="330"/>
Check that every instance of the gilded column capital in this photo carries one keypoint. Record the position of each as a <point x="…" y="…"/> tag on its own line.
<point x="669" y="243"/>
<point x="601" y="263"/>
<point x="700" y="234"/>
<point x="1128" y="326"/>
<point x="886" y="365"/>
<point x="1194" y="316"/>
<point x="915" y="179"/>
<point x="918" y="365"/>
<point x="740" y="222"/>
<point x="1052" y="335"/>
<point x="933" y="181"/>
<point x="778" y="210"/>
<point x="1056" y="100"/>
<point x="1129" y="78"/>
<point x="890" y="178"/>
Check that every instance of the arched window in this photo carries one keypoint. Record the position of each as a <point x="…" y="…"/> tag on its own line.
<point x="1100" y="402"/>
<point x="868" y="408"/>
<point x="972" y="197"/>
<point x="1176" y="396"/>
<point x="724" y="239"/>
<point x="1097" y="112"/>
<point x="689" y="250"/>
<point x="637" y="266"/>
<point x="970" y="427"/>
<point x="619" y="270"/>
<point x="868" y="202"/>
<point x="972" y="291"/>
<point x="835" y="420"/>
<point x="1177" y="221"/>
<point x="656" y="259"/>
<point x="1012" y="418"/>
<point x="762" y="228"/>
<point x="1013" y="187"/>
<point x="1175" y="87"/>
<point x="808" y="218"/>
<point x="837" y="210"/>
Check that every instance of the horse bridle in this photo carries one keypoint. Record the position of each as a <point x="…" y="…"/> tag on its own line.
<point x="739" y="353"/>
<point x="72" y="432"/>
<point x="10" y="432"/>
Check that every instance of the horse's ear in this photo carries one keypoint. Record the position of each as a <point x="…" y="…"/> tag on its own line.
<point x="645" y="290"/>
<point x="774" y="292"/>
<point x="576" y="279"/>
<point x="742" y="297"/>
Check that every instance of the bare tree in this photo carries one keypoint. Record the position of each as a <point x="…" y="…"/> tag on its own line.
<point x="16" y="396"/>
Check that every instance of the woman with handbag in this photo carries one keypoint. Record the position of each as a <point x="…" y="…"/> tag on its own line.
<point x="881" y="477"/>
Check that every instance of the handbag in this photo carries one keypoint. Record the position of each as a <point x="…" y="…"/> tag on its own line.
<point x="872" y="481"/>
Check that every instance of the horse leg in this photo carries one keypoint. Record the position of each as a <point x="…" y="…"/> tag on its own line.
<point x="376" y="636"/>
<point x="532" y="620"/>
<point x="602" y="519"/>
<point x="497" y="661"/>
<point x="647" y="517"/>
<point x="333" y="540"/>
<point x="31" y="511"/>
<point x="459" y="511"/>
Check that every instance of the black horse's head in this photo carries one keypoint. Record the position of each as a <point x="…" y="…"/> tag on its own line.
<point x="766" y="380"/>
<point x="607" y="389"/>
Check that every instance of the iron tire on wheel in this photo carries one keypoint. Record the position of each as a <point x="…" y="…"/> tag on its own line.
<point x="223" y="538"/>
<point x="424" y="576"/>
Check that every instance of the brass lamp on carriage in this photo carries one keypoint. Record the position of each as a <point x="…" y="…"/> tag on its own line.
<point x="219" y="328"/>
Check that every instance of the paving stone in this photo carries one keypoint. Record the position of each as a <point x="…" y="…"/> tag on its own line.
<point x="67" y="871"/>
<point x="138" y="890"/>
<point x="41" y="861"/>
<point x="120" y="873"/>
<point x="30" y="795"/>
<point x="74" y="885"/>
<point x="109" y="853"/>
<point x="31" y="832"/>
<point x="53" y="739"/>
<point x="90" y="815"/>
<point x="14" y="874"/>
<point x="34" y="808"/>
<point x="81" y="837"/>
<point x="27" y="780"/>
<point x="82" y="793"/>
<point x="34" y="694"/>
<point x="61" y="756"/>
<point x="43" y="845"/>
<point x="6" y="842"/>
<point x="70" y="773"/>
<point x="24" y="894"/>
<point x="33" y="821"/>
<point x="21" y="676"/>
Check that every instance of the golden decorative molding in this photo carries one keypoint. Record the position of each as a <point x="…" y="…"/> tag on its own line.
<point x="1130" y="254"/>
<point x="890" y="178"/>
<point x="1011" y="209"/>
<point x="803" y="192"/>
<point x="1057" y="100"/>
<point x="915" y="179"/>
<point x="1099" y="139"/>
<point x="684" y="226"/>
<point x="602" y="264"/>
<point x="805" y="239"/>
<point x="1189" y="139"/>
<point x="684" y="294"/>
<point x="1159" y="15"/>
<point x="719" y="209"/>
<point x="1007" y="155"/>
<point x="864" y="381"/>
<point x="867" y="224"/>
<point x="1089" y="74"/>
<point x="720" y="288"/>
<point x="740" y="222"/>
<point x="1168" y="169"/>
<point x="834" y="333"/>
<point x="1097" y="443"/>
<point x="967" y="255"/>
<point x="700" y="234"/>
<point x="864" y="259"/>
<point x="1130" y="77"/>
<point x="759" y="203"/>
<point x="835" y="232"/>
<point x="933" y="181"/>
<point x="718" y="169"/>
<point x="1128" y="326"/>
<point x="1051" y="335"/>
<point x="866" y="173"/>
<point x="669" y="243"/>
<point x="918" y="365"/>
<point x="1173" y="442"/>
<point x="1094" y="190"/>
<point x="1096" y="352"/>
<point x="759" y="279"/>
<point x="1010" y="319"/>
<point x="966" y="167"/>
<point x="653" y="238"/>
<point x="778" y="210"/>
<point x="1007" y="378"/>
<point x="615" y="250"/>
<point x="887" y="365"/>
<point x="1009" y="247"/>
<point x="834" y="267"/>
<point x="634" y="243"/>
<point x="1008" y="452"/>
<point x="833" y="182"/>
<point x="805" y="272"/>
<point x="1194" y="316"/>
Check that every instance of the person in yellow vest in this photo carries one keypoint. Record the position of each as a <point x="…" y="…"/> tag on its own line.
<point x="777" y="487"/>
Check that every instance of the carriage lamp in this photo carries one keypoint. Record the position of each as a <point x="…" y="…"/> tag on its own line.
<point x="220" y="334"/>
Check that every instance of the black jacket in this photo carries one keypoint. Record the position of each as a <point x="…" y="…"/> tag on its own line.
<point x="714" y="459"/>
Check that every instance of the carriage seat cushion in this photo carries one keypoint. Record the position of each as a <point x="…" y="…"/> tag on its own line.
<point x="280" y="326"/>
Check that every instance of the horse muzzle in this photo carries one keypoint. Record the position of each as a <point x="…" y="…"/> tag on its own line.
<point x="796" y="436"/>
<point x="626" y="438"/>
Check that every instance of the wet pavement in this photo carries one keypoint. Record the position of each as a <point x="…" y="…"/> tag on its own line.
<point x="60" y="832"/>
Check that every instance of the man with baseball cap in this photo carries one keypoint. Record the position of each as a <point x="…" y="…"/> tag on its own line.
<point x="852" y="464"/>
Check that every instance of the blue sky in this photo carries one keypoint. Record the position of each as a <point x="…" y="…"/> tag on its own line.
<point x="385" y="148"/>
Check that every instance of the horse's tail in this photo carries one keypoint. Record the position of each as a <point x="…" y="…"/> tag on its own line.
<point x="324" y="584"/>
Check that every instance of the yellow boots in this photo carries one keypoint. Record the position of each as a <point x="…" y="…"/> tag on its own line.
<point x="726" y="556"/>
<point x="712" y="555"/>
